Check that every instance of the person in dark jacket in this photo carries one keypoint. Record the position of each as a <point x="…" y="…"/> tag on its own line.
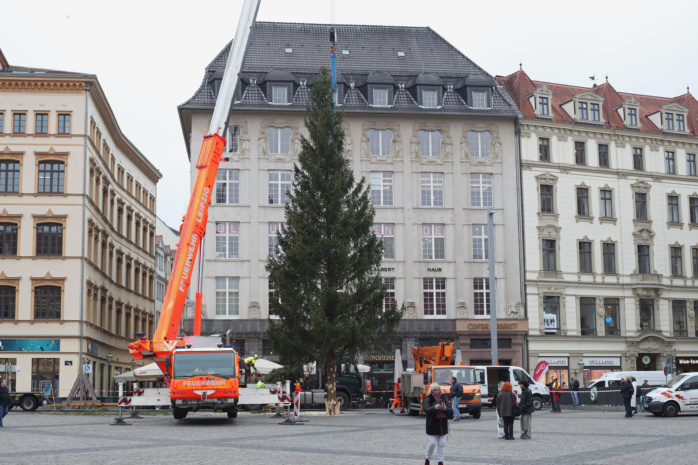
<point x="4" y="400"/>
<point x="456" y="394"/>
<point x="505" y="401"/>
<point x="526" y="405"/>
<point x="627" y="391"/>
<point x="438" y="410"/>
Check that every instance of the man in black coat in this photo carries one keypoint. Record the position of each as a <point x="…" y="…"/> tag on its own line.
<point x="4" y="400"/>
<point x="627" y="391"/>
<point x="456" y="394"/>
<point x="526" y="405"/>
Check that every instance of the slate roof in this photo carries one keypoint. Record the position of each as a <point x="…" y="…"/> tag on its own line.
<point x="372" y="56"/>
<point x="520" y="87"/>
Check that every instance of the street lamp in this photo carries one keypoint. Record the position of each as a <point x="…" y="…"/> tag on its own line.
<point x="110" y="358"/>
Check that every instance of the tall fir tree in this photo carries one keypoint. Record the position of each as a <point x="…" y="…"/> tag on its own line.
<point x="325" y="274"/>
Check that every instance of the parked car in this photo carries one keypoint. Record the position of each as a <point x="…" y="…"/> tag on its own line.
<point x="680" y="394"/>
<point x="490" y="376"/>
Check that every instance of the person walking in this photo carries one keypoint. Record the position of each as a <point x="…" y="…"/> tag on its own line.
<point x="397" y="397"/>
<point x="437" y="410"/>
<point x="574" y="385"/>
<point x="633" y="399"/>
<point x="456" y="394"/>
<point x="500" y="421"/>
<point x="505" y="401"/>
<point x="556" y="391"/>
<point x="4" y="400"/>
<point x="626" y="391"/>
<point x="526" y="405"/>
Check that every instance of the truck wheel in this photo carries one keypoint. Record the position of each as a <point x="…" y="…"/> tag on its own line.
<point x="476" y="415"/>
<point x="233" y="413"/>
<point x="537" y="403"/>
<point x="179" y="414"/>
<point x="671" y="409"/>
<point x="28" y="403"/>
<point x="411" y="411"/>
<point x="343" y="400"/>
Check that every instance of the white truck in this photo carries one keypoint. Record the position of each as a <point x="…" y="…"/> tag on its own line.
<point x="679" y="394"/>
<point x="489" y="377"/>
<point x="613" y="380"/>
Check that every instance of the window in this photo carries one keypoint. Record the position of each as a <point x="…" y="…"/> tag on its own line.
<point x="9" y="176"/>
<point x="386" y="234"/>
<point x="646" y="314"/>
<point x="632" y="117"/>
<point x="638" y="164"/>
<point x="279" y="187"/>
<point x="273" y="299"/>
<point x="479" y="99"/>
<point x="389" y="298"/>
<point x="695" y="262"/>
<point x="480" y="242"/>
<point x="47" y="303"/>
<point x="434" y="296"/>
<point x="670" y="165"/>
<point x="583" y="113"/>
<point x="20" y="123"/>
<point x="691" y="164"/>
<point x="430" y="98"/>
<point x="676" y="261"/>
<point x="227" y="240"/>
<point x="580" y="153"/>
<point x="587" y="316"/>
<point x="63" y="124"/>
<point x="279" y="140"/>
<point x="2" y="122"/>
<point x="551" y="315"/>
<point x="49" y="239"/>
<point x="228" y="186"/>
<point x="673" y="208"/>
<point x="273" y="239"/>
<point x="609" y="258"/>
<point x="669" y="121"/>
<point x="481" y="296"/>
<point x="227" y="296"/>
<point x="279" y="94"/>
<point x="379" y="141"/>
<point x="606" y="203"/>
<point x="430" y="143"/>
<point x="603" y="156"/>
<point x="582" y="201"/>
<point x="585" y="257"/>
<point x="433" y="242"/>
<point x="680" y="123"/>
<point x="678" y="310"/>
<point x="640" y="206"/>
<point x="546" y="199"/>
<point x="51" y="177"/>
<point x="611" y="316"/>
<point x="8" y="239"/>
<point x="481" y="190"/>
<point x="41" y="125"/>
<point x="544" y="149"/>
<point x="693" y="209"/>
<point x="543" y="106"/>
<point x="595" y="113"/>
<point x="380" y="97"/>
<point x="479" y="144"/>
<point x="7" y="302"/>
<point x="232" y="139"/>
<point x="549" y="255"/>
<point x="382" y="188"/>
<point x="432" y="192"/>
<point x="643" y="259"/>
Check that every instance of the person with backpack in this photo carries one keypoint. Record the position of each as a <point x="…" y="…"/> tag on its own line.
<point x="627" y="391"/>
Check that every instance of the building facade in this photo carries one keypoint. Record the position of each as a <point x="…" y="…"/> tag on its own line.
<point x="166" y="240"/>
<point x="434" y="136"/>
<point x="77" y="232"/>
<point x="610" y="199"/>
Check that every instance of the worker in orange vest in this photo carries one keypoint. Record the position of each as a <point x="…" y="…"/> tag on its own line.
<point x="556" y="391"/>
<point x="397" y="394"/>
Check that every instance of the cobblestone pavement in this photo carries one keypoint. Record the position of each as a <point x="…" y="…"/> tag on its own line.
<point x="358" y="437"/>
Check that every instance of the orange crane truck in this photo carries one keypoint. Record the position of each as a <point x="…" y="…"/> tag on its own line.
<point x="436" y="364"/>
<point x="199" y="378"/>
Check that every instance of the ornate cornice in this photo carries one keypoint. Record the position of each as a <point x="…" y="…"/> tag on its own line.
<point x="42" y="86"/>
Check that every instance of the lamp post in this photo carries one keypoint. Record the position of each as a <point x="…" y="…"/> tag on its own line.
<point x="110" y="358"/>
<point x="493" y="287"/>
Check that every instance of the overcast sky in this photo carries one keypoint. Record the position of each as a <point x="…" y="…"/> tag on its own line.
<point x="150" y="55"/>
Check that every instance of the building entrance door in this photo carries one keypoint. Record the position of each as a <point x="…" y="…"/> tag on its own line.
<point x="45" y="369"/>
<point x="647" y="362"/>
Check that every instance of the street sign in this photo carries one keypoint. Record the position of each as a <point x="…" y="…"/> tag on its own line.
<point x="666" y="371"/>
<point x="87" y="369"/>
<point x="592" y="394"/>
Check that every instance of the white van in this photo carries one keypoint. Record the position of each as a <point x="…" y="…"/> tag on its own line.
<point x="680" y="394"/>
<point x="613" y="380"/>
<point x="489" y="377"/>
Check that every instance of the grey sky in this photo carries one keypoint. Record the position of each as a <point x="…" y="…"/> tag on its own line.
<point x="149" y="56"/>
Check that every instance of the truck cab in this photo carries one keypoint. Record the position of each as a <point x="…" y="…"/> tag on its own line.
<point x="679" y="394"/>
<point x="470" y="402"/>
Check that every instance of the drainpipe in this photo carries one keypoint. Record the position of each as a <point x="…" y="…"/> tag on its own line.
<point x="519" y="211"/>
<point x="88" y="86"/>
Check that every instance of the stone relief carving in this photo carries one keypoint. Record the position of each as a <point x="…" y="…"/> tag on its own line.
<point x="461" y="310"/>
<point x="395" y="143"/>
<point x="495" y="144"/>
<point x="411" y="310"/>
<point x="446" y="142"/>
<point x="263" y="139"/>
<point x="254" y="310"/>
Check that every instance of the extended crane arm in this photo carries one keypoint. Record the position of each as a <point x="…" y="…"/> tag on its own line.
<point x="424" y="357"/>
<point x="194" y="227"/>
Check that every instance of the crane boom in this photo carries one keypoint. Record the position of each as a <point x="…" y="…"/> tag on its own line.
<point x="194" y="226"/>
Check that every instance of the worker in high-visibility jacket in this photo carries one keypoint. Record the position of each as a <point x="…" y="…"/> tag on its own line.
<point x="249" y="366"/>
<point x="397" y="395"/>
<point x="556" y="391"/>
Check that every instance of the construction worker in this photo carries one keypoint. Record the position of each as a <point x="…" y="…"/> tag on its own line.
<point x="249" y="366"/>
<point x="260" y="383"/>
<point x="397" y="394"/>
<point x="556" y="390"/>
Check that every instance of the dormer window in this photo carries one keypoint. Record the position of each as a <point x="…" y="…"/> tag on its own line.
<point x="541" y="101"/>
<point x="632" y="117"/>
<point x="669" y="121"/>
<point x="595" y="113"/>
<point x="380" y="97"/>
<point x="680" y="123"/>
<point x="583" y="113"/>
<point x="430" y="98"/>
<point x="585" y="107"/>
<point x="543" y="106"/>
<point x="279" y="94"/>
<point x="479" y="99"/>
<point x="670" y="117"/>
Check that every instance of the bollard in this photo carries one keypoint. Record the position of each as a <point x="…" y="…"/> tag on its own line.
<point x="135" y="415"/>
<point x="120" y="419"/>
<point x="297" y="405"/>
<point x="279" y="406"/>
<point x="297" y="400"/>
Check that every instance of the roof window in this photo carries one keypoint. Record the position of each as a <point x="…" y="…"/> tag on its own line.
<point x="289" y="50"/>
<point x="345" y="52"/>
<point x="401" y="54"/>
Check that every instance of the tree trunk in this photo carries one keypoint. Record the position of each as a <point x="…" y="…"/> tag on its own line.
<point x="331" y="387"/>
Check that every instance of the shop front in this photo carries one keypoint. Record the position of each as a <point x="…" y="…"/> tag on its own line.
<point x="596" y="366"/>
<point x="476" y="343"/>
<point x="557" y="366"/>
<point x="380" y="380"/>
<point x="686" y="364"/>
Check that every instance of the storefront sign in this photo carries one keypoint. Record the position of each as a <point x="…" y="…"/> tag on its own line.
<point x="601" y="361"/>
<point x="30" y="345"/>
<point x="686" y="363"/>
<point x="486" y="326"/>
<point x="381" y="358"/>
<point x="555" y="361"/>
<point x="388" y="270"/>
